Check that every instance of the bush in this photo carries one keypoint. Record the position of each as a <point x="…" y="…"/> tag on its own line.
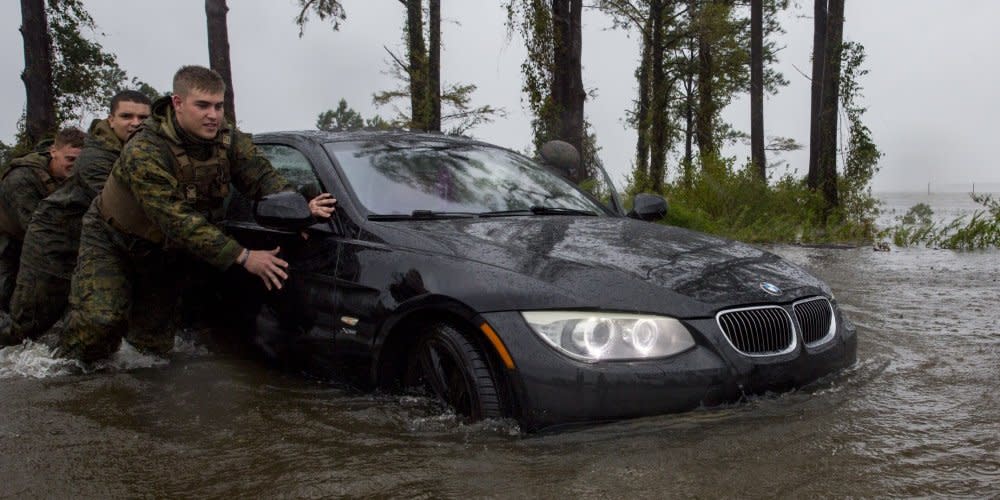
<point x="981" y="230"/>
<point x="733" y="203"/>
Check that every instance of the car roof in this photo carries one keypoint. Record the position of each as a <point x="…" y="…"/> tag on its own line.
<point x="383" y="136"/>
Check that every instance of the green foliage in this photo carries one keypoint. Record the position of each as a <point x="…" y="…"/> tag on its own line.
<point x="919" y="214"/>
<point x="324" y="9"/>
<point x="343" y="118"/>
<point x="5" y="154"/>
<point x="456" y="103"/>
<point x="377" y="123"/>
<point x="980" y="230"/>
<point x="786" y="211"/>
<point x="861" y="162"/>
<point x="147" y="89"/>
<point x="85" y="76"/>
<point x="346" y="118"/>
<point x="724" y="27"/>
<point x="459" y="111"/>
<point x="731" y="202"/>
<point x="533" y="20"/>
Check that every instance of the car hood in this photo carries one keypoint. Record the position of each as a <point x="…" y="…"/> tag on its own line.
<point x="611" y="256"/>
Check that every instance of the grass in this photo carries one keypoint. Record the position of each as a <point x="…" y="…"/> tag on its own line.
<point x="734" y="204"/>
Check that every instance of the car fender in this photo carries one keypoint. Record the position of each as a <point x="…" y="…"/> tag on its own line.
<point x="389" y="339"/>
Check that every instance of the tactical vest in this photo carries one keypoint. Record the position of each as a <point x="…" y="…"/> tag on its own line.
<point x="202" y="183"/>
<point x="8" y="222"/>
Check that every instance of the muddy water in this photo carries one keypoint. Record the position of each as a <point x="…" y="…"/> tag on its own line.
<point x="919" y="415"/>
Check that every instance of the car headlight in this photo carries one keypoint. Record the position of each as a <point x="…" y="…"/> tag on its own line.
<point x="602" y="336"/>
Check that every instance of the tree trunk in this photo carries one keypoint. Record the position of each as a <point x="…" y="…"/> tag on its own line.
<point x="689" y="131"/>
<point x="419" y="108"/>
<point x="658" y="113"/>
<point x="642" y="122"/>
<point x="819" y="56"/>
<point x="218" y="50"/>
<point x="830" y="103"/>
<point x="434" y="67"/>
<point x="705" y="116"/>
<point x="40" y="110"/>
<point x="689" y="90"/>
<point x="757" y="89"/>
<point x="568" y="94"/>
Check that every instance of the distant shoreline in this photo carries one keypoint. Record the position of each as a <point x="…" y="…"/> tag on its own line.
<point x="956" y="188"/>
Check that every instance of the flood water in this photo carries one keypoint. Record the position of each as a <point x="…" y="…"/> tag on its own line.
<point x="919" y="415"/>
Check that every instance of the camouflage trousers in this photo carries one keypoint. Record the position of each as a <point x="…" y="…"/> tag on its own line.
<point x="39" y="300"/>
<point x="10" y="261"/>
<point x="121" y="287"/>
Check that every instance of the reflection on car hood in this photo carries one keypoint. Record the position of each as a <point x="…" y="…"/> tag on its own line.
<point x="621" y="252"/>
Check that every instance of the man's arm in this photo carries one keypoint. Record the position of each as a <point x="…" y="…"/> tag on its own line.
<point x="23" y="191"/>
<point x="92" y="168"/>
<point x="253" y="173"/>
<point x="255" y="177"/>
<point x="145" y="170"/>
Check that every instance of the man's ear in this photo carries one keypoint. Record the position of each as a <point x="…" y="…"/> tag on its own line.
<point x="176" y="100"/>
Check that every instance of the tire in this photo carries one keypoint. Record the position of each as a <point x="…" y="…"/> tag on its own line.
<point x="453" y="368"/>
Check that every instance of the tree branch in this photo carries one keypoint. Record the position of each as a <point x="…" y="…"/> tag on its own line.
<point x="301" y="18"/>
<point x="404" y="67"/>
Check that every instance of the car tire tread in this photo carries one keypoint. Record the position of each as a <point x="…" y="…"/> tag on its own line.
<point x="479" y="375"/>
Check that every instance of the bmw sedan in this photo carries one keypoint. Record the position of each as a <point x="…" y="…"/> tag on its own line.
<point x="489" y="281"/>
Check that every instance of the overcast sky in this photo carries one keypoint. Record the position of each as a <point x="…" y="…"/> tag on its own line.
<point x="930" y="91"/>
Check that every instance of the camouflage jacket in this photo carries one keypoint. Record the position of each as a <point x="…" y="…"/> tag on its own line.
<point x="25" y="183"/>
<point x="149" y="170"/>
<point x="53" y="236"/>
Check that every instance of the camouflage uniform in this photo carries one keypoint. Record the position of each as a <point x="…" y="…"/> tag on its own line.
<point x="24" y="184"/>
<point x="53" y="238"/>
<point x="126" y="274"/>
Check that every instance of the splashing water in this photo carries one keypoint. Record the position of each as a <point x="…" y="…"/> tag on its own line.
<point x="128" y="357"/>
<point x="189" y="347"/>
<point x="35" y="360"/>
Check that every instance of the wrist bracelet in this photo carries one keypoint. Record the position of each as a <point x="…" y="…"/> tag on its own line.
<point x="242" y="259"/>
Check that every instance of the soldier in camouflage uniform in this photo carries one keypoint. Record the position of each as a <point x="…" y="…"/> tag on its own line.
<point x="27" y="180"/>
<point x="53" y="236"/>
<point x="162" y="197"/>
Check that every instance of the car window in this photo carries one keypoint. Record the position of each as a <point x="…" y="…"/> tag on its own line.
<point x="401" y="176"/>
<point x="292" y="165"/>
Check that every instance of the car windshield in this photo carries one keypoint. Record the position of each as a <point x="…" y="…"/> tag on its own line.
<point x="400" y="177"/>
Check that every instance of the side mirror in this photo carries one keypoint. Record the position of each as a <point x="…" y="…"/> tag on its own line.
<point x="309" y="190"/>
<point x="285" y="211"/>
<point x="648" y="207"/>
<point x="562" y="156"/>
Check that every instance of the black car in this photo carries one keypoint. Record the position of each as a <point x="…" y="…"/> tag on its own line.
<point x="489" y="280"/>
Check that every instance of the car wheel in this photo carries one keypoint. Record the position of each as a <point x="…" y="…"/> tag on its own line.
<point x="452" y="367"/>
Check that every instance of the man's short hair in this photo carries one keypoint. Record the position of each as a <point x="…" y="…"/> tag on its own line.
<point x="190" y="78"/>
<point x="71" y="136"/>
<point x="129" y="96"/>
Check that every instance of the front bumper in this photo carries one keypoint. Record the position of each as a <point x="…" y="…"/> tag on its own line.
<point x="550" y="389"/>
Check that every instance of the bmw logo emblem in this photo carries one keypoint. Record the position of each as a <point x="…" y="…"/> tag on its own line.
<point x="770" y="288"/>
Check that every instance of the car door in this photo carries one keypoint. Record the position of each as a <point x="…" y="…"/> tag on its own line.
<point x="296" y="325"/>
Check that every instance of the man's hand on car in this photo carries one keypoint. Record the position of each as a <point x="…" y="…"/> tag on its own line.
<point x="322" y="206"/>
<point x="268" y="266"/>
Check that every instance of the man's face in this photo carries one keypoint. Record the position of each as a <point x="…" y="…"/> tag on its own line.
<point x="127" y="117"/>
<point x="199" y="113"/>
<point x="63" y="158"/>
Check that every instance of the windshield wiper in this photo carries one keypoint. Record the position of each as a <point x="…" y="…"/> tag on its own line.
<point x="538" y="210"/>
<point x="422" y="215"/>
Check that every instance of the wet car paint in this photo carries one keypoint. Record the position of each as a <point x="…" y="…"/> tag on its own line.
<point x="356" y="285"/>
